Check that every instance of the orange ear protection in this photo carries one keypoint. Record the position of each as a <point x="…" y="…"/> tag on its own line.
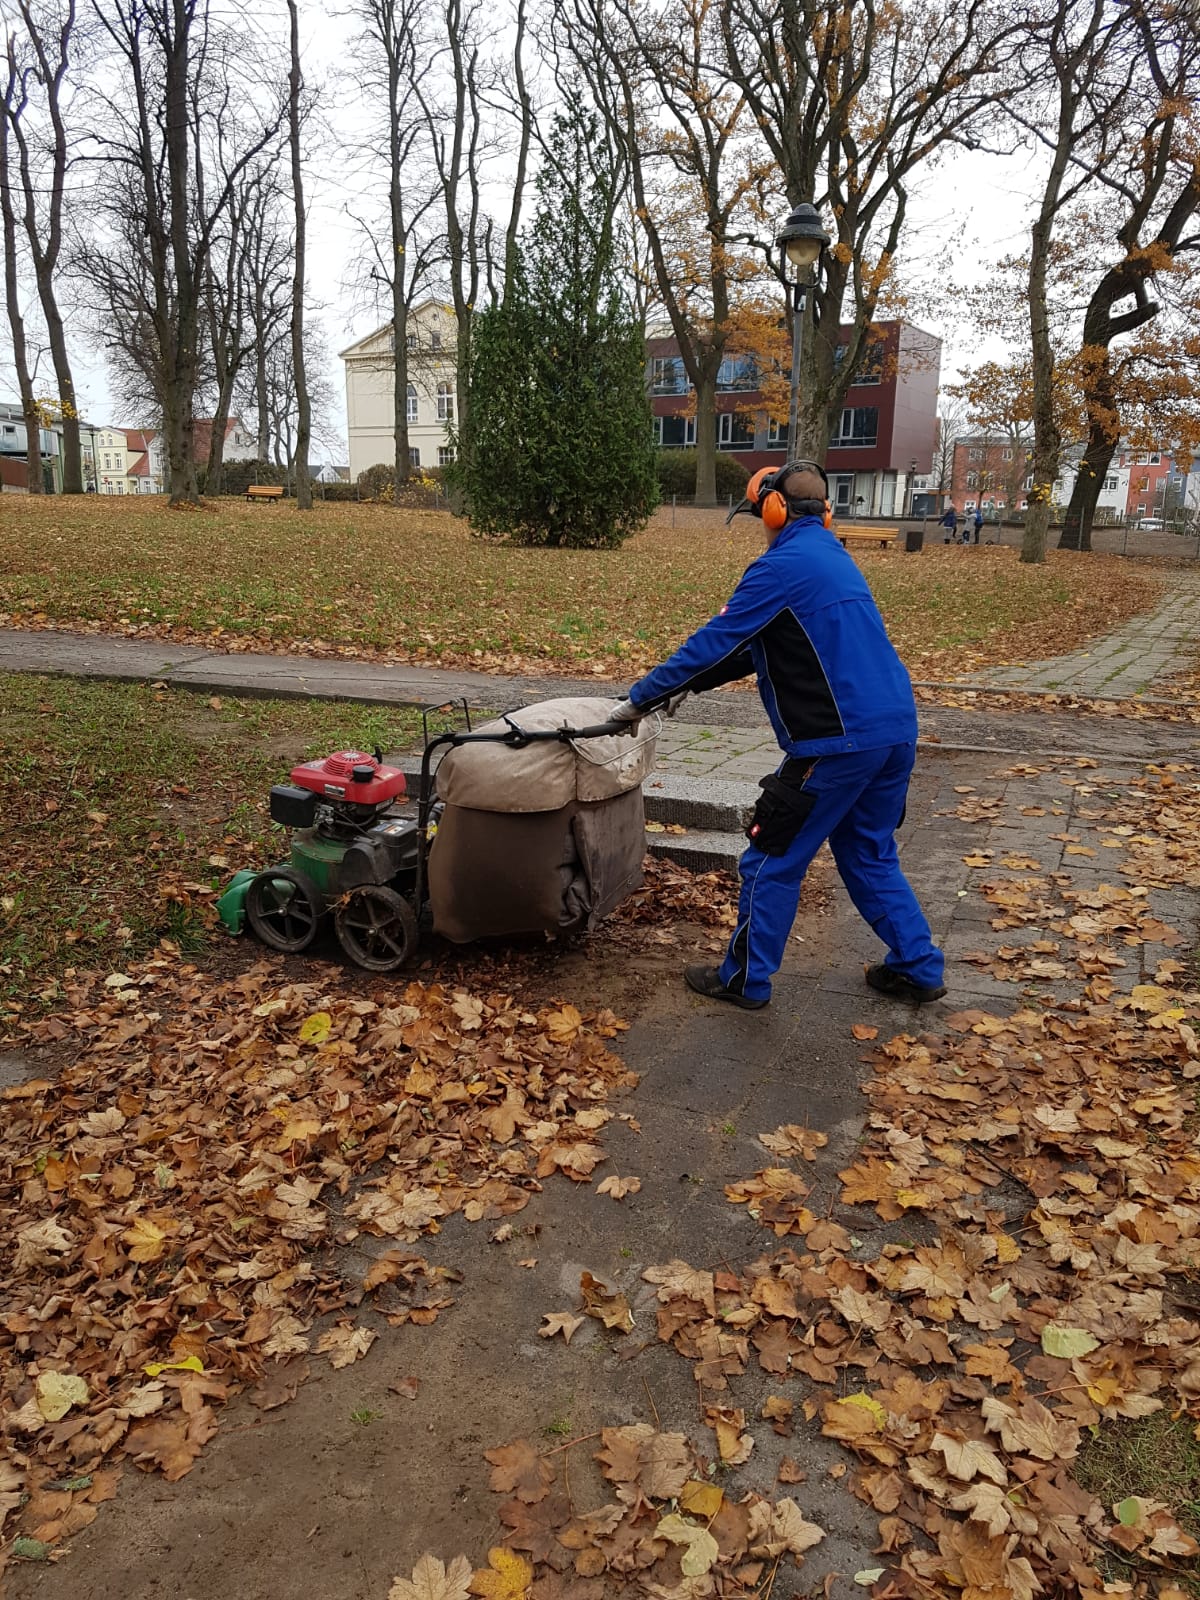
<point x="765" y="497"/>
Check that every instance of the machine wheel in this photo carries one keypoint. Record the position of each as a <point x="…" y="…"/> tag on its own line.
<point x="376" y="927"/>
<point x="284" y="906"/>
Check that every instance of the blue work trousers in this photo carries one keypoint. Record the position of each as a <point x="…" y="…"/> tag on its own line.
<point x="858" y="803"/>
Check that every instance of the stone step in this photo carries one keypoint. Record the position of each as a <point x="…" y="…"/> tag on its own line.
<point x="700" y="851"/>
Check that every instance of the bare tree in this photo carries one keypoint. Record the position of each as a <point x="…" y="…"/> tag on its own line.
<point x="456" y="127"/>
<point x="303" y="405"/>
<point x="181" y="81"/>
<point x="267" y="268"/>
<point x="1156" y="198"/>
<point x="49" y="34"/>
<point x="394" y="61"/>
<point x="853" y="98"/>
<point x="683" y="137"/>
<point x="1080" y="76"/>
<point x="10" y="110"/>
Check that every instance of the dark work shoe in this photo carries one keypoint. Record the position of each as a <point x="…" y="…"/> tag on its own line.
<point x="707" y="981"/>
<point x="890" y="982"/>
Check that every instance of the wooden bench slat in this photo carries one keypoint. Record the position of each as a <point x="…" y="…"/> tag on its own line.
<point x="264" y="491"/>
<point x="861" y="534"/>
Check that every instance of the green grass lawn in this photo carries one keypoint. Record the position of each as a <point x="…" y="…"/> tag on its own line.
<point x="369" y="580"/>
<point x="122" y="806"/>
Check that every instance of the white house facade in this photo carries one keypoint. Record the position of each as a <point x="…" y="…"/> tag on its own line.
<point x="432" y="403"/>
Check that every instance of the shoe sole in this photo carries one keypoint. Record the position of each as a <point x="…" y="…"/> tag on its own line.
<point x="728" y="999"/>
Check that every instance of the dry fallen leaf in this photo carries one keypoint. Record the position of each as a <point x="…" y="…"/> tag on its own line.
<point x="345" y="1344"/>
<point x="433" y="1580"/>
<point x="506" y="1577"/>
<point x="619" y="1187"/>
<point x="564" y="1322"/>
<point x="605" y="1304"/>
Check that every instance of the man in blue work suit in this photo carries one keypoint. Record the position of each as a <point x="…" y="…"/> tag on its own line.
<point x="803" y="619"/>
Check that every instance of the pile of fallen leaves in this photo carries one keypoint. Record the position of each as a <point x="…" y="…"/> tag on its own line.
<point x="1036" y="1181"/>
<point x="667" y="1530"/>
<point x="962" y="698"/>
<point x="170" y="1198"/>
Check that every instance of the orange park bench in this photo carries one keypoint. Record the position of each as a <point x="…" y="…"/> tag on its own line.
<point x="851" y="533"/>
<point x="264" y="491"/>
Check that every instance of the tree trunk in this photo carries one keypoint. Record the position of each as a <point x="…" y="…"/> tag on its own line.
<point x="215" y="475"/>
<point x="72" y="454"/>
<point x="16" y="322"/>
<point x="706" y="437"/>
<point x="304" y="500"/>
<point x="1089" y="480"/>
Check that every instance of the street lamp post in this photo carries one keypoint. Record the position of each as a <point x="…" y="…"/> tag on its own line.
<point x="802" y="238"/>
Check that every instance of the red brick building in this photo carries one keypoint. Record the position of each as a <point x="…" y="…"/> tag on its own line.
<point x="989" y="471"/>
<point x="886" y="432"/>
<point x="1148" y="474"/>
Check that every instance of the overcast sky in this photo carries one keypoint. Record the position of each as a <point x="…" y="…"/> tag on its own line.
<point x="969" y="211"/>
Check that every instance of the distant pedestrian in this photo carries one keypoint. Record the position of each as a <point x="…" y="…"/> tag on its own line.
<point x="978" y="522"/>
<point x="950" y="523"/>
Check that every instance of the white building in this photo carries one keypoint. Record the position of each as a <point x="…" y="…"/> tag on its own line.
<point x="1114" y="491"/>
<point x="128" y="460"/>
<point x="370" y="376"/>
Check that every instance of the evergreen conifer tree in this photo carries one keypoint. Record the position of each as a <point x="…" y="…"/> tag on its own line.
<point x="557" y="449"/>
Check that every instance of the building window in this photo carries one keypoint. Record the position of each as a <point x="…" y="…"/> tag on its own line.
<point x="446" y="454"/>
<point x="674" y="433"/>
<point x="972" y="480"/>
<point x="9" y="429"/>
<point x="1028" y="484"/>
<point x="414" y="456"/>
<point x="1006" y="455"/>
<point x="776" y="432"/>
<point x="435" y="339"/>
<point x="737" y="373"/>
<point x="411" y="404"/>
<point x="975" y="455"/>
<point x="1110" y="483"/>
<point x="734" y="431"/>
<point x="870" y="367"/>
<point x="410" y="342"/>
<point x="859" y="429"/>
<point x="667" y="375"/>
<point x="445" y="402"/>
<point x="968" y="505"/>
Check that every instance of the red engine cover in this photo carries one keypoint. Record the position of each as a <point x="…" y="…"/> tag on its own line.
<point x="333" y="778"/>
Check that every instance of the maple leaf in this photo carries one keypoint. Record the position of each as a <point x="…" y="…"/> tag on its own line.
<point x="678" y="1279"/>
<point x="433" y="1580"/>
<point x="563" y="1026"/>
<point x="147" y="1241"/>
<point x="535" y="1528"/>
<point x="1032" y="1429"/>
<point x="288" y="1337"/>
<point x="701" y="1549"/>
<point x="39" y="1243"/>
<point x="969" y="1458"/>
<point x="619" y="1187"/>
<point x="986" y="1503"/>
<point x="778" y="1529"/>
<point x="564" y="1322"/>
<point x="605" y="1304"/>
<point x="507" y="1576"/>
<point x="659" y="1462"/>
<point x="172" y="1445"/>
<point x="517" y="1468"/>
<point x="345" y="1344"/>
<point x="795" y="1140"/>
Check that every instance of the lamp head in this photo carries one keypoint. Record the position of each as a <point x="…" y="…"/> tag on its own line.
<point x="802" y="236"/>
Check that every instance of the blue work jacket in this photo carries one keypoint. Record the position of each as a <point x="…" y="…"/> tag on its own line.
<point x="804" y="621"/>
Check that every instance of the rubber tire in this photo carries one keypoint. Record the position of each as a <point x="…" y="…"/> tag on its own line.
<point x="264" y="930"/>
<point x="392" y="912"/>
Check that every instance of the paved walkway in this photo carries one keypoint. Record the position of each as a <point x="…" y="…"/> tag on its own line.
<point x="1128" y="662"/>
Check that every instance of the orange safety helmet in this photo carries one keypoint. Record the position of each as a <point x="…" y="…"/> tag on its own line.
<point x="765" y="497"/>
